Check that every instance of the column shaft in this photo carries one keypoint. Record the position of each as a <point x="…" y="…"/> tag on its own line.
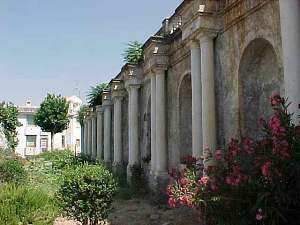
<point x="85" y="130"/>
<point x="117" y="130"/>
<point x="94" y="137"/>
<point x="153" y="123"/>
<point x="134" y="127"/>
<point x="197" y="146"/>
<point x="100" y="135"/>
<point x="107" y="133"/>
<point x="161" y="138"/>
<point x="89" y="137"/>
<point x="208" y="93"/>
<point x="290" y="33"/>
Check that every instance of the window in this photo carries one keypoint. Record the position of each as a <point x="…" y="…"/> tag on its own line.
<point x="31" y="141"/>
<point x="30" y="120"/>
<point x="63" y="141"/>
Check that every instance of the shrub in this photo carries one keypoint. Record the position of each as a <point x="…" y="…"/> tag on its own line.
<point x="59" y="158"/>
<point x="252" y="182"/>
<point x="12" y="171"/>
<point x="86" y="193"/>
<point x="25" y="205"/>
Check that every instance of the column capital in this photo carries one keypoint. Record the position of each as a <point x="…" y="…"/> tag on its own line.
<point x="193" y="44"/>
<point x="99" y="109"/>
<point x="93" y="115"/>
<point x="207" y="35"/>
<point x="158" y="70"/>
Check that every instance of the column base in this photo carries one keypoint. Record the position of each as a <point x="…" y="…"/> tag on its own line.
<point x="158" y="181"/>
<point x="107" y="164"/>
<point x="134" y="174"/>
<point x="118" y="168"/>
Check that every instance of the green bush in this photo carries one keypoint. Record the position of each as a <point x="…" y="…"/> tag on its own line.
<point x="12" y="171"/>
<point x="91" y="189"/>
<point x="26" y="205"/>
<point x="59" y="158"/>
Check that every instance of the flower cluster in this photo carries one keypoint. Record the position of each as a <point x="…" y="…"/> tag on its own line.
<point x="240" y="180"/>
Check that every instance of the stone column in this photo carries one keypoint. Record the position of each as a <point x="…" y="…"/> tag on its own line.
<point x="89" y="136"/>
<point x="117" y="132"/>
<point x="290" y="34"/>
<point x="197" y="146"/>
<point x="100" y="154"/>
<point x="134" y="156"/>
<point x="107" y="132"/>
<point x="85" y="135"/>
<point x="153" y="123"/>
<point x="208" y="91"/>
<point x="94" y="135"/>
<point x="160" y="123"/>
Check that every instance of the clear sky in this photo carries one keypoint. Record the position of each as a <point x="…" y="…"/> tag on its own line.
<point x="65" y="46"/>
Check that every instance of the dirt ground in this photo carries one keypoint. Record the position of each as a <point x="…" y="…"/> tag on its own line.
<point x="143" y="212"/>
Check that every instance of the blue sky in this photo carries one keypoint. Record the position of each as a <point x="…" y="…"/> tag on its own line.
<point x="65" y="46"/>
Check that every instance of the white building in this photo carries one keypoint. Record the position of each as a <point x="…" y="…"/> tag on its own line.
<point x="32" y="140"/>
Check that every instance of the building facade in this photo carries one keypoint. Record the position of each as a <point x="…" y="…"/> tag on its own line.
<point x="33" y="141"/>
<point x="206" y="77"/>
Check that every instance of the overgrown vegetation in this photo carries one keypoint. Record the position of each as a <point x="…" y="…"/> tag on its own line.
<point x="22" y="204"/>
<point x="94" y="96"/>
<point x="133" y="53"/>
<point x="12" y="170"/>
<point x="91" y="189"/>
<point x="82" y="113"/>
<point x="9" y="123"/>
<point x="52" y="116"/>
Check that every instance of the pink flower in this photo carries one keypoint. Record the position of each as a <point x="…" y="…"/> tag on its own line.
<point x="204" y="180"/>
<point x="266" y="168"/>
<point x="248" y="145"/>
<point x="276" y="99"/>
<point x="169" y="189"/>
<point x="275" y="125"/>
<point x="233" y="150"/>
<point x="172" y="202"/>
<point x="281" y="149"/>
<point x="259" y="215"/>
<point x="218" y="155"/>
<point x="183" y="182"/>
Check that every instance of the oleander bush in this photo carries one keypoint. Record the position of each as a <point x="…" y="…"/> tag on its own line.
<point x="86" y="193"/>
<point x="251" y="182"/>
<point x="20" y="204"/>
<point x="12" y="170"/>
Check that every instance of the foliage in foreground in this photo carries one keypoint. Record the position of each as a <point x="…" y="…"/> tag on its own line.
<point x="252" y="182"/>
<point x="91" y="189"/>
<point x="133" y="52"/>
<point x="26" y="205"/>
<point x="52" y="116"/>
<point x="94" y="96"/>
<point x="9" y="123"/>
<point x="12" y="170"/>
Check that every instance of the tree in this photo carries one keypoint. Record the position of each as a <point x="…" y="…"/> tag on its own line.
<point x="81" y="113"/>
<point x="94" y="97"/>
<point x="133" y="53"/>
<point x="9" y="123"/>
<point x="52" y="115"/>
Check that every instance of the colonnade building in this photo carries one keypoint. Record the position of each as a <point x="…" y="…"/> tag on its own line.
<point x="206" y="76"/>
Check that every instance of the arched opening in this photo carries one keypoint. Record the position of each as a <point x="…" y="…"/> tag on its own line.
<point x="185" y="116"/>
<point x="259" y="77"/>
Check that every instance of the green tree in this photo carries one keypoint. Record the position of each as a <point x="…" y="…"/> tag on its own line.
<point x="52" y="115"/>
<point x="9" y="123"/>
<point x="94" y="97"/>
<point x="81" y="113"/>
<point x="134" y="52"/>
